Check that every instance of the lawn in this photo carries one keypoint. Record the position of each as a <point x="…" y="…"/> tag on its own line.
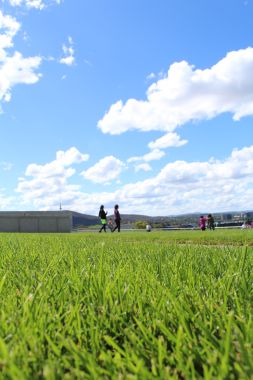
<point x="134" y="305"/>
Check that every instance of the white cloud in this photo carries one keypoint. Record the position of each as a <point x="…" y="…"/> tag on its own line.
<point x="69" y="60"/>
<point x="105" y="170"/>
<point x="187" y="94"/>
<point x="49" y="181"/>
<point x="36" y="4"/>
<point x="179" y="187"/>
<point x="9" y="26"/>
<point x="145" y="167"/>
<point x="189" y="187"/>
<point x="155" y="154"/>
<point x="151" y="76"/>
<point x="170" y="139"/>
<point x="59" y="166"/>
<point x="17" y="69"/>
<point x="14" y="69"/>
<point x="68" y="52"/>
<point x="194" y="186"/>
<point x="6" y="202"/>
<point x="6" y="166"/>
<point x="71" y="156"/>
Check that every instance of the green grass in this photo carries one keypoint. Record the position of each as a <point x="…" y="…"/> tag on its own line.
<point x="139" y="305"/>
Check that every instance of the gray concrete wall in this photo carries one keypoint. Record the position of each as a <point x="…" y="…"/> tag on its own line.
<point x="36" y="221"/>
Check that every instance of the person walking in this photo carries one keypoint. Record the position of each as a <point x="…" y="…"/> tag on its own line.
<point x="102" y="216"/>
<point x="117" y="218"/>
<point x="210" y="222"/>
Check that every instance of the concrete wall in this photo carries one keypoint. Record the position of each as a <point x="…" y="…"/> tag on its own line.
<point x="36" y="221"/>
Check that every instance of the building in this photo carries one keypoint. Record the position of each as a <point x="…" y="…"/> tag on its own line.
<point x="248" y="215"/>
<point x="35" y="221"/>
<point x="226" y="217"/>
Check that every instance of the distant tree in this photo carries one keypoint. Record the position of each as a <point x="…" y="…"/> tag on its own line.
<point x="160" y="225"/>
<point x="140" y="224"/>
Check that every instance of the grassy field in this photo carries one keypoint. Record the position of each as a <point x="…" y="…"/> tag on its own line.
<point x="135" y="305"/>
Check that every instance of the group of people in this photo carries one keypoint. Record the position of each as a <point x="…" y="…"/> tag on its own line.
<point x="206" y="222"/>
<point x="103" y="217"/>
<point x="247" y="224"/>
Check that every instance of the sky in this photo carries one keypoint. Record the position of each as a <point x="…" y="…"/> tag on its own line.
<point x="147" y="104"/>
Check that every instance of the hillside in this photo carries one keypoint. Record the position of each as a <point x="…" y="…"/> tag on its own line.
<point x="84" y="219"/>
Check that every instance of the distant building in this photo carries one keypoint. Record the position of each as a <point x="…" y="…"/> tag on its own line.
<point x="226" y="217"/>
<point x="237" y="217"/>
<point x="36" y="221"/>
<point x="248" y="215"/>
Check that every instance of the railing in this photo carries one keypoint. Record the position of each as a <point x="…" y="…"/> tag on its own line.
<point x="86" y="229"/>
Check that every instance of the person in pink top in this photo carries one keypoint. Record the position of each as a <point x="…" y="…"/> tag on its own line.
<point x="202" y="223"/>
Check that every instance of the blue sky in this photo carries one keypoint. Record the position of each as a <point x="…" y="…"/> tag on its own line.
<point x="147" y="104"/>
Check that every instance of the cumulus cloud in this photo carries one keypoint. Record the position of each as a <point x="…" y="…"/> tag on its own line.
<point x="9" y="26"/>
<point x="145" y="167"/>
<point x="179" y="187"/>
<point x="48" y="182"/>
<point x="59" y="166"/>
<point x="195" y="186"/>
<point x="170" y="139"/>
<point x="71" y="156"/>
<point x="6" y="166"/>
<point x="105" y="170"/>
<point x="151" y="76"/>
<point x="36" y="4"/>
<point x="68" y="51"/>
<point x="44" y="186"/>
<point x="155" y="154"/>
<point x="14" y="69"/>
<point x="186" y="94"/>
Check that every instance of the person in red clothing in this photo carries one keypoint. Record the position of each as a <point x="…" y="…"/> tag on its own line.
<point x="117" y="218"/>
<point x="202" y="223"/>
